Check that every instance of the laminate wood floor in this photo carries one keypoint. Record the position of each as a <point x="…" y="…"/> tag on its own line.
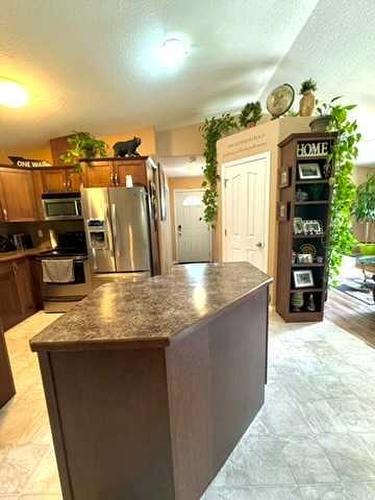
<point x="352" y="315"/>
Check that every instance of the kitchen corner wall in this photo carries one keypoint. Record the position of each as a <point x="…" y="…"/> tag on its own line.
<point x="253" y="141"/>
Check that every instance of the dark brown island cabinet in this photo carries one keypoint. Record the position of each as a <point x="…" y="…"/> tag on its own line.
<point x="305" y="192"/>
<point x="7" y="389"/>
<point x="150" y="385"/>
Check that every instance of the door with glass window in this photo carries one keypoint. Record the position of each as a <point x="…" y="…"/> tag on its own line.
<point x="193" y="235"/>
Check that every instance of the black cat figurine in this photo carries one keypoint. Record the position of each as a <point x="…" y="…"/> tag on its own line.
<point x="127" y="148"/>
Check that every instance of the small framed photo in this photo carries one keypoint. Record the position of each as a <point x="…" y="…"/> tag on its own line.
<point x="284" y="177"/>
<point x="312" y="227"/>
<point x="303" y="279"/>
<point x="282" y="211"/>
<point x="304" y="258"/>
<point x="297" y="225"/>
<point x="309" y="171"/>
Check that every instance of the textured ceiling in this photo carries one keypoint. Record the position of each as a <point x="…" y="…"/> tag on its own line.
<point x="337" y="48"/>
<point x="92" y="64"/>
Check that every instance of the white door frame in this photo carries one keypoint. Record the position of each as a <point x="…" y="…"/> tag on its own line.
<point x="267" y="156"/>
<point x="187" y="190"/>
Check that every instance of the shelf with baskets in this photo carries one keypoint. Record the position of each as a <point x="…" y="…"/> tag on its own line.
<point x="304" y="218"/>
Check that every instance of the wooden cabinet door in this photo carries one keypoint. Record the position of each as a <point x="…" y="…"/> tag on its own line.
<point x="101" y="175"/>
<point x="18" y="197"/>
<point x="7" y="389"/>
<point x="137" y="170"/>
<point x="54" y="180"/>
<point x="10" y="306"/>
<point x="73" y="180"/>
<point x="25" y="286"/>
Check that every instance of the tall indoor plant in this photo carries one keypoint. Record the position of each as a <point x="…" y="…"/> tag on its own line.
<point x="342" y="157"/>
<point x="83" y="145"/>
<point x="364" y="208"/>
<point x="212" y="130"/>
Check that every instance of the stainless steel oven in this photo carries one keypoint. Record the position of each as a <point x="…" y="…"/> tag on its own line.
<point x="62" y="206"/>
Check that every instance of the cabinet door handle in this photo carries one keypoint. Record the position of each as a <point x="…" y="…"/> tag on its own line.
<point x="5" y="213"/>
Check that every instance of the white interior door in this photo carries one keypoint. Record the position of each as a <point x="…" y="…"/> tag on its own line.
<point x="193" y="235"/>
<point x="246" y="210"/>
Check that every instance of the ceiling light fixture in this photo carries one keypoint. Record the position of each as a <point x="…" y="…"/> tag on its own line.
<point x="12" y="94"/>
<point x="173" y="52"/>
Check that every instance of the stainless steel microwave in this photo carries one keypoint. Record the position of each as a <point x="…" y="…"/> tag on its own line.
<point x="61" y="206"/>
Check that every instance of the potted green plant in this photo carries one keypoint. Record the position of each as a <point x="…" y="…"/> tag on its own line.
<point x="307" y="102"/>
<point x="364" y="208"/>
<point x="83" y="145"/>
<point x="321" y="123"/>
<point x="250" y="114"/>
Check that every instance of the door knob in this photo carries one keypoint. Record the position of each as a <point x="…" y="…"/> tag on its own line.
<point x="259" y="244"/>
<point x="179" y="229"/>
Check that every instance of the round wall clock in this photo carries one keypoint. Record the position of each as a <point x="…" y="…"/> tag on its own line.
<point x="280" y="100"/>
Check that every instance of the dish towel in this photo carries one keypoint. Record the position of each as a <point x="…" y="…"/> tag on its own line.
<point x="58" y="270"/>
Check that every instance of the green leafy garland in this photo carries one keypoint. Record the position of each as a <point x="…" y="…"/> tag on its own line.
<point x="212" y="130"/>
<point x="343" y="156"/>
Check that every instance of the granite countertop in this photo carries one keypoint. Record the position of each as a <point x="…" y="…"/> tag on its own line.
<point x="21" y="254"/>
<point x="154" y="309"/>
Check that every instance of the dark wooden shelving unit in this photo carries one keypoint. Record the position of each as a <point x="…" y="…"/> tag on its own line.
<point x="316" y="207"/>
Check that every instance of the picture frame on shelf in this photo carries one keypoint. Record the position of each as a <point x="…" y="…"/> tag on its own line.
<point x="312" y="227"/>
<point x="282" y="211"/>
<point x="305" y="258"/>
<point x="284" y="177"/>
<point x="309" y="171"/>
<point x="297" y="226"/>
<point x="303" y="278"/>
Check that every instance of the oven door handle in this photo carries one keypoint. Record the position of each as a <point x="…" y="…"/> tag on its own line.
<point x="115" y="227"/>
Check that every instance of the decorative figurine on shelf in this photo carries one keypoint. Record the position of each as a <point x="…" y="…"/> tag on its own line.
<point x="307" y="102"/>
<point x="297" y="301"/>
<point x="127" y="148"/>
<point x="294" y="256"/>
<point x="326" y="169"/>
<point x="301" y="195"/>
<point x="311" y="304"/>
<point x="319" y="259"/>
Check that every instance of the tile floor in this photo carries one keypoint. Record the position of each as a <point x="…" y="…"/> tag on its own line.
<point x="313" y="440"/>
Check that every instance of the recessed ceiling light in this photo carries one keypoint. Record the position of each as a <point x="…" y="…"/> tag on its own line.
<point x="12" y="94"/>
<point x="173" y="52"/>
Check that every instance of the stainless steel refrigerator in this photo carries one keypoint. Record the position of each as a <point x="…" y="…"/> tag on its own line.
<point x="117" y="229"/>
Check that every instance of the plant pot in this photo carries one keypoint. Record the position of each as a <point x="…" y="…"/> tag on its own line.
<point x="251" y="124"/>
<point x="320" y="124"/>
<point x="307" y="104"/>
<point x="89" y="152"/>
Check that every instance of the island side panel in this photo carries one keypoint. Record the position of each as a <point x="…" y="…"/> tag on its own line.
<point x="111" y="420"/>
<point x="216" y="378"/>
<point x="238" y="354"/>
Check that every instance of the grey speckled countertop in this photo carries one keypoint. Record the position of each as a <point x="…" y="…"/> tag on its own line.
<point x="153" y="309"/>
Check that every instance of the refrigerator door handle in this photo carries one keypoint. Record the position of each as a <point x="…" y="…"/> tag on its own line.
<point x="115" y="238"/>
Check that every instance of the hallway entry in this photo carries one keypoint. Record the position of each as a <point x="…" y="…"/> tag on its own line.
<point x="193" y="235"/>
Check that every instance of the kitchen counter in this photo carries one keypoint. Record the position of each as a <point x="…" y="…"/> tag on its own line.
<point x="21" y="254"/>
<point x="154" y="309"/>
<point x="150" y="385"/>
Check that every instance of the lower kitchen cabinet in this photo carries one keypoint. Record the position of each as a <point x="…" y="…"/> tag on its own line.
<point x="7" y="389"/>
<point x="17" y="295"/>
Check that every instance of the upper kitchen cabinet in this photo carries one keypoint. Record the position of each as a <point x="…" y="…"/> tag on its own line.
<point x="100" y="174"/>
<point x="60" y="180"/>
<point x="135" y="168"/>
<point x="17" y="195"/>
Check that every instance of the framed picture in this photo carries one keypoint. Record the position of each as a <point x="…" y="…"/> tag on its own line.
<point x="312" y="227"/>
<point x="309" y="171"/>
<point x="162" y="193"/>
<point x="304" y="258"/>
<point x="297" y="225"/>
<point x="284" y="177"/>
<point x="282" y="211"/>
<point x="303" y="279"/>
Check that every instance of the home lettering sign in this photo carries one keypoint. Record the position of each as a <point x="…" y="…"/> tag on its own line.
<point x="313" y="148"/>
<point x="19" y="161"/>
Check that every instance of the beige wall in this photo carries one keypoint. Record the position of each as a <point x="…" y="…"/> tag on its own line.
<point x="360" y="175"/>
<point x="253" y="141"/>
<point x="179" y="183"/>
<point x="43" y="151"/>
<point x="182" y="141"/>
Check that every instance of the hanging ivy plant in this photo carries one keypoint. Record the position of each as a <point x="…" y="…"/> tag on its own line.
<point x="212" y="130"/>
<point x="343" y="156"/>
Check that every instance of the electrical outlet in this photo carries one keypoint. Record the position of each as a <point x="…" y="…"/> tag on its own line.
<point x="40" y="233"/>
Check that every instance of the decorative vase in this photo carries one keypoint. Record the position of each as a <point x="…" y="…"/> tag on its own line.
<point x="320" y="124"/>
<point x="297" y="301"/>
<point x="307" y="103"/>
<point x="311" y="304"/>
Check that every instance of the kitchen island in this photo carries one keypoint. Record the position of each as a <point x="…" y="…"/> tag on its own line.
<point x="151" y="384"/>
